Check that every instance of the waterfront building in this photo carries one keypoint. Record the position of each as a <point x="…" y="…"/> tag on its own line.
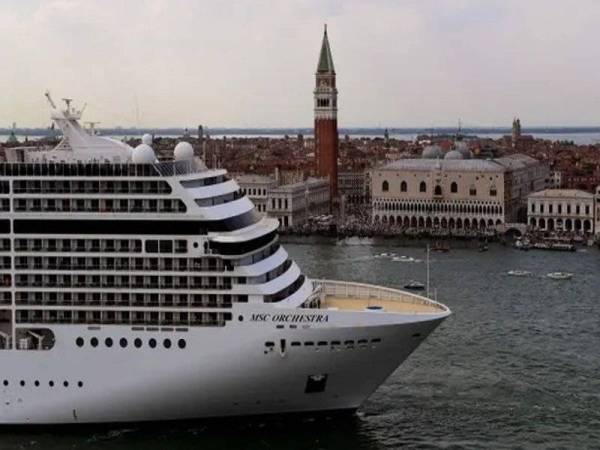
<point x="561" y="210"/>
<point x="292" y="204"/>
<point x="257" y="188"/>
<point x="453" y="193"/>
<point x="352" y="186"/>
<point x="325" y="109"/>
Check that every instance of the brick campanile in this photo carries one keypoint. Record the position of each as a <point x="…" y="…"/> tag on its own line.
<point x="326" y="131"/>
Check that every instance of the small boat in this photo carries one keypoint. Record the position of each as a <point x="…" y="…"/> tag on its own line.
<point x="483" y="248"/>
<point x="519" y="273"/>
<point x="560" y="275"/>
<point x="403" y="258"/>
<point x="414" y="285"/>
<point x="440" y="247"/>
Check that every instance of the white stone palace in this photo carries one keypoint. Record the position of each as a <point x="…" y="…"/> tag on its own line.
<point x="455" y="192"/>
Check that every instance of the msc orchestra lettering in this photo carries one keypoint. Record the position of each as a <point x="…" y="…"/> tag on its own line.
<point x="290" y="318"/>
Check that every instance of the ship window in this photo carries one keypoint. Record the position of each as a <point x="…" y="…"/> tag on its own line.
<point x="295" y="344"/>
<point x="376" y="340"/>
<point x="137" y="342"/>
<point x="65" y="383"/>
<point x="37" y="383"/>
<point x="80" y="383"/>
<point x="270" y="344"/>
<point x="152" y="343"/>
<point x="5" y="382"/>
<point x="322" y="343"/>
<point x="79" y="342"/>
<point x="94" y="342"/>
<point x="22" y="383"/>
<point x="309" y="343"/>
<point x="51" y="383"/>
<point x="167" y="343"/>
<point x="108" y="342"/>
<point x="181" y="343"/>
<point x="151" y="246"/>
<point x="123" y="342"/>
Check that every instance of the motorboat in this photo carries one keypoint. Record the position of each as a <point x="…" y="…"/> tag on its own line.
<point x="560" y="275"/>
<point x="519" y="273"/>
<point x="414" y="285"/>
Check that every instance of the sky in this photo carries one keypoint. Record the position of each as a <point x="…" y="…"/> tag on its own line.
<point x="251" y="63"/>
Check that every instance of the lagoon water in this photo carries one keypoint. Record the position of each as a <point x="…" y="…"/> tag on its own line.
<point x="517" y="365"/>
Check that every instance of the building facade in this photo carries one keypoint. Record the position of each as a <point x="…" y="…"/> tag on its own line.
<point x="293" y="204"/>
<point x="325" y="108"/>
<point x="257" y="188"/>
<point x="352" y="186"/>
<point x="562" y="210"/>
<point x="452" y="193"/>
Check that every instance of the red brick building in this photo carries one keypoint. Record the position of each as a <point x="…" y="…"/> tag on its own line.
<point x="326" y="131"/>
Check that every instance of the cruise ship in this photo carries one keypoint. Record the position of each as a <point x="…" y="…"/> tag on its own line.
<point x="137" y="289"/>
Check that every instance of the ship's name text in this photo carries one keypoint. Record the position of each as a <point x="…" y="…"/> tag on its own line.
<point x="290" y="318"/>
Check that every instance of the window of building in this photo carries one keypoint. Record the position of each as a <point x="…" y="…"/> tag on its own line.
<point x="422" y="187"/>
<point x="403" y="186"/>
<point x="437" y="190"/>
<point x="472" y="191"/>
<point x="385" y="186"/>
<point x="454" y="187"/>
<point x="493" y="191"/>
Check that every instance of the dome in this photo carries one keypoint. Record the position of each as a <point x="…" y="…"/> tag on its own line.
<point x="183" y="151"/>
<point x="463" y="148"/>
<point x="147" y="139"/>
<point x="453" y="154"/>
<point x="432" y="152"/>
<point x="143" y="154"/>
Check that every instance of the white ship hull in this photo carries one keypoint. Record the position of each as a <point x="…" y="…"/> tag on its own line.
<point x="225" y="371"/>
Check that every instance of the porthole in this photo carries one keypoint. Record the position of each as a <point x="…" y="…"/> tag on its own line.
<point x="37" y="383"/>
<point x="181" y="343"/>
<point x="80" y="383"/>
<point x="22" y="383"/>
<point x="65" y="383"/>
<point x="108" y="342"/>
<point x="5" y="382"/>
<point x="94" y="342"/>
<point x="79" y="342"/>
<point x="152" y="343"/>
<point x="195" y="245"/>
<point x="51" y="383"/>
<point x="123" y="342"/>
<point x="137" y="342"/>
<point x="167" y="343"/>
<point x="241" y="318"/>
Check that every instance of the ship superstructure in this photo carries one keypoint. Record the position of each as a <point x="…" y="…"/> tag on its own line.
<point x="135" y="289"/>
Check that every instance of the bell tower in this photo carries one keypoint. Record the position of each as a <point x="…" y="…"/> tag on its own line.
<point x="326" y="132"/>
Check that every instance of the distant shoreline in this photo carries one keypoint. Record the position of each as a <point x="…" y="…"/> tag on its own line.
<point x="357" y="131"/>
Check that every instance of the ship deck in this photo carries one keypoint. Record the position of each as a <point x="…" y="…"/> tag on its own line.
<point x="348" y="296"/>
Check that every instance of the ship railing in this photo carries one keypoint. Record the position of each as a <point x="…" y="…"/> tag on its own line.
<point x="175" y="168"/>
<point x="350" y="289"/>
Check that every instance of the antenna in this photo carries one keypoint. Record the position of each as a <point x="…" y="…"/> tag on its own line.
<point x="67" y="102"/>
<point x="47" y="94"/>
<point x="92" y="126"/>
<point x="427" y="270"/>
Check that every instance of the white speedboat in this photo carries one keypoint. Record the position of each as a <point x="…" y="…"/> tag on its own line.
<point x="519" y="273"/>
<point x="560" y="275"/>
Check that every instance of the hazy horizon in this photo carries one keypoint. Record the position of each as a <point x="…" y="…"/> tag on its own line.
<point x="250" y="64"/>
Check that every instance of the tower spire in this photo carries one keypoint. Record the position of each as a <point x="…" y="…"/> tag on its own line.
<point x="325" y="59"/>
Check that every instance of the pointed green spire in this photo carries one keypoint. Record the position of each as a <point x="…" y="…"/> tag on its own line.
<point x="325" y="60"/>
